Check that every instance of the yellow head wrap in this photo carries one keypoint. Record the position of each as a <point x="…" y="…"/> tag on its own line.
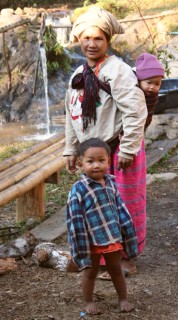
<point x="96" y="17"/>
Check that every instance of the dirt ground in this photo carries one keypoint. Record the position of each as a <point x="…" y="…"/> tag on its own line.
<point x="35" y="293"/>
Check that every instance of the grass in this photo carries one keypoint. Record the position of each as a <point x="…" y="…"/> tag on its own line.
<point x="14" y="148"/>
<point x="158" y="6"/>
<point x="56" y="195"/>
<point x="149" y="8"/>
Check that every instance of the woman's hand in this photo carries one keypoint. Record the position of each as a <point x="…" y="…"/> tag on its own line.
<point x="71" y="164"/>
<point x="124" y="163"/>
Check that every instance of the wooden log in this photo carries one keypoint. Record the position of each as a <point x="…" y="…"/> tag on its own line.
<point x="31" y="151"/>
<point x="31" y="204"/>
<point x="19" y="173"/>
<point x="31" y="181"/>
<point x="7" y="264"/>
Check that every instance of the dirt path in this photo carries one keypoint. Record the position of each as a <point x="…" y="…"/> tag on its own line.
<point x="34" y="293"/>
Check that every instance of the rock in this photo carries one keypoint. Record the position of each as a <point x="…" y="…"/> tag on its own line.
<point x="30" y="224"/>
<point x="21" y="247"/>
<point x="163" y="125"/>
<point x="48" y="255"/>
<point x="4" y="20"/>
<point x="163" y="176"/>
<point x="19" y="12"/>
<point x="7" y="12"/>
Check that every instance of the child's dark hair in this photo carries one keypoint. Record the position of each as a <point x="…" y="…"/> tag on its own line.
<point x="92" y="143"/>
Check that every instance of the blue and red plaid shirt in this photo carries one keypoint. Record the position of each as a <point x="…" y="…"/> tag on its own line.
<point x="96" y="215"/>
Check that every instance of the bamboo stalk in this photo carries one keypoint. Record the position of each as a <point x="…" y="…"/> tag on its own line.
<point x="31" y="181"/>
<point x="24" y="172"/>
<point x="38" y="157"/>
<point x="27" y="153"/>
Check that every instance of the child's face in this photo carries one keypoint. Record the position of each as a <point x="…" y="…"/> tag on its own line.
<point x="151" y="86"/>
<point x="95" y="163"/>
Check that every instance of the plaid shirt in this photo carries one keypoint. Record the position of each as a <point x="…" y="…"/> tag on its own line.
<point x="97" y="215"/>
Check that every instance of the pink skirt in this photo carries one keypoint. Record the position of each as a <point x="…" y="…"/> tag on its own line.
<point x="131" y="184"/>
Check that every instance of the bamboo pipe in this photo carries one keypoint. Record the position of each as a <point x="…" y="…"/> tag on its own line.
<point x="31" y="181"/>
<point x="27" y="153"/>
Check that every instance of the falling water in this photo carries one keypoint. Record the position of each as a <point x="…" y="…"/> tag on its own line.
<point x="45" y="79"/>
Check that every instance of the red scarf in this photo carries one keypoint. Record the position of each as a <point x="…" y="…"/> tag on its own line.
<point x="88" y="81"/>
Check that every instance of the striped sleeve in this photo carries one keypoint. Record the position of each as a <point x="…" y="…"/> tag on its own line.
<point x="79" y="243"/>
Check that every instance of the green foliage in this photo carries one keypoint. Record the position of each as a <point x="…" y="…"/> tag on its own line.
<point x="118" y="8"/>
<point x="56" y="56"/>
<point x="165" y="57"/>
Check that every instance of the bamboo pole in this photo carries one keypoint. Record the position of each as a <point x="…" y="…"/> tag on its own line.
<point x="14" y="25"/>
<point x="24" y="172"/>
<point x="35" y="160"/>
<point x="27" y="153"/>
<point x="31" y="181"/>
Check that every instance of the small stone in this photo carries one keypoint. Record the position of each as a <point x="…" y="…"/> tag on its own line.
<point x="173" y="263"/>
<point x="30" y="224"/>
<point x="7" y="12"/>
<point x="148" y="292"/>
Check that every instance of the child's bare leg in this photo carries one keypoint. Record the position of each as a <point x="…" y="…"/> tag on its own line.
<point x="113" y="265"/>
<point x="88" y="284"/>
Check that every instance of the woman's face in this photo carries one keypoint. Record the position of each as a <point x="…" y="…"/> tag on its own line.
<point x="93" y="44"/>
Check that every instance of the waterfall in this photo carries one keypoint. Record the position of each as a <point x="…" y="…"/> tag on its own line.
<point x="61" y="24"/>
<point x="45" y="79"/>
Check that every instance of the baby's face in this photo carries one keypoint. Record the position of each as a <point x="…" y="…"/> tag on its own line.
<point x="151" y="86"/>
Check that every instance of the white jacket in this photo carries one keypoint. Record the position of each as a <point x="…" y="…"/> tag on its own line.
<point x="124" y="111"/>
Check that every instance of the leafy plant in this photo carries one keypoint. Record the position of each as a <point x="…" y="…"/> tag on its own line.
<point x="56" y="56"/>
<point x="165" y="57"/>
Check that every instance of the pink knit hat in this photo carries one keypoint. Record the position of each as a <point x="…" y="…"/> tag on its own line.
<point x="148" y="66"/>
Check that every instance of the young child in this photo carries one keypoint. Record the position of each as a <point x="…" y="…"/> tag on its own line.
<point x="149" y="72"/>
<point x="99" y="223"/>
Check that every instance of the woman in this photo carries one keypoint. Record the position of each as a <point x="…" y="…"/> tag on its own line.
<point x="104" y="100"/>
